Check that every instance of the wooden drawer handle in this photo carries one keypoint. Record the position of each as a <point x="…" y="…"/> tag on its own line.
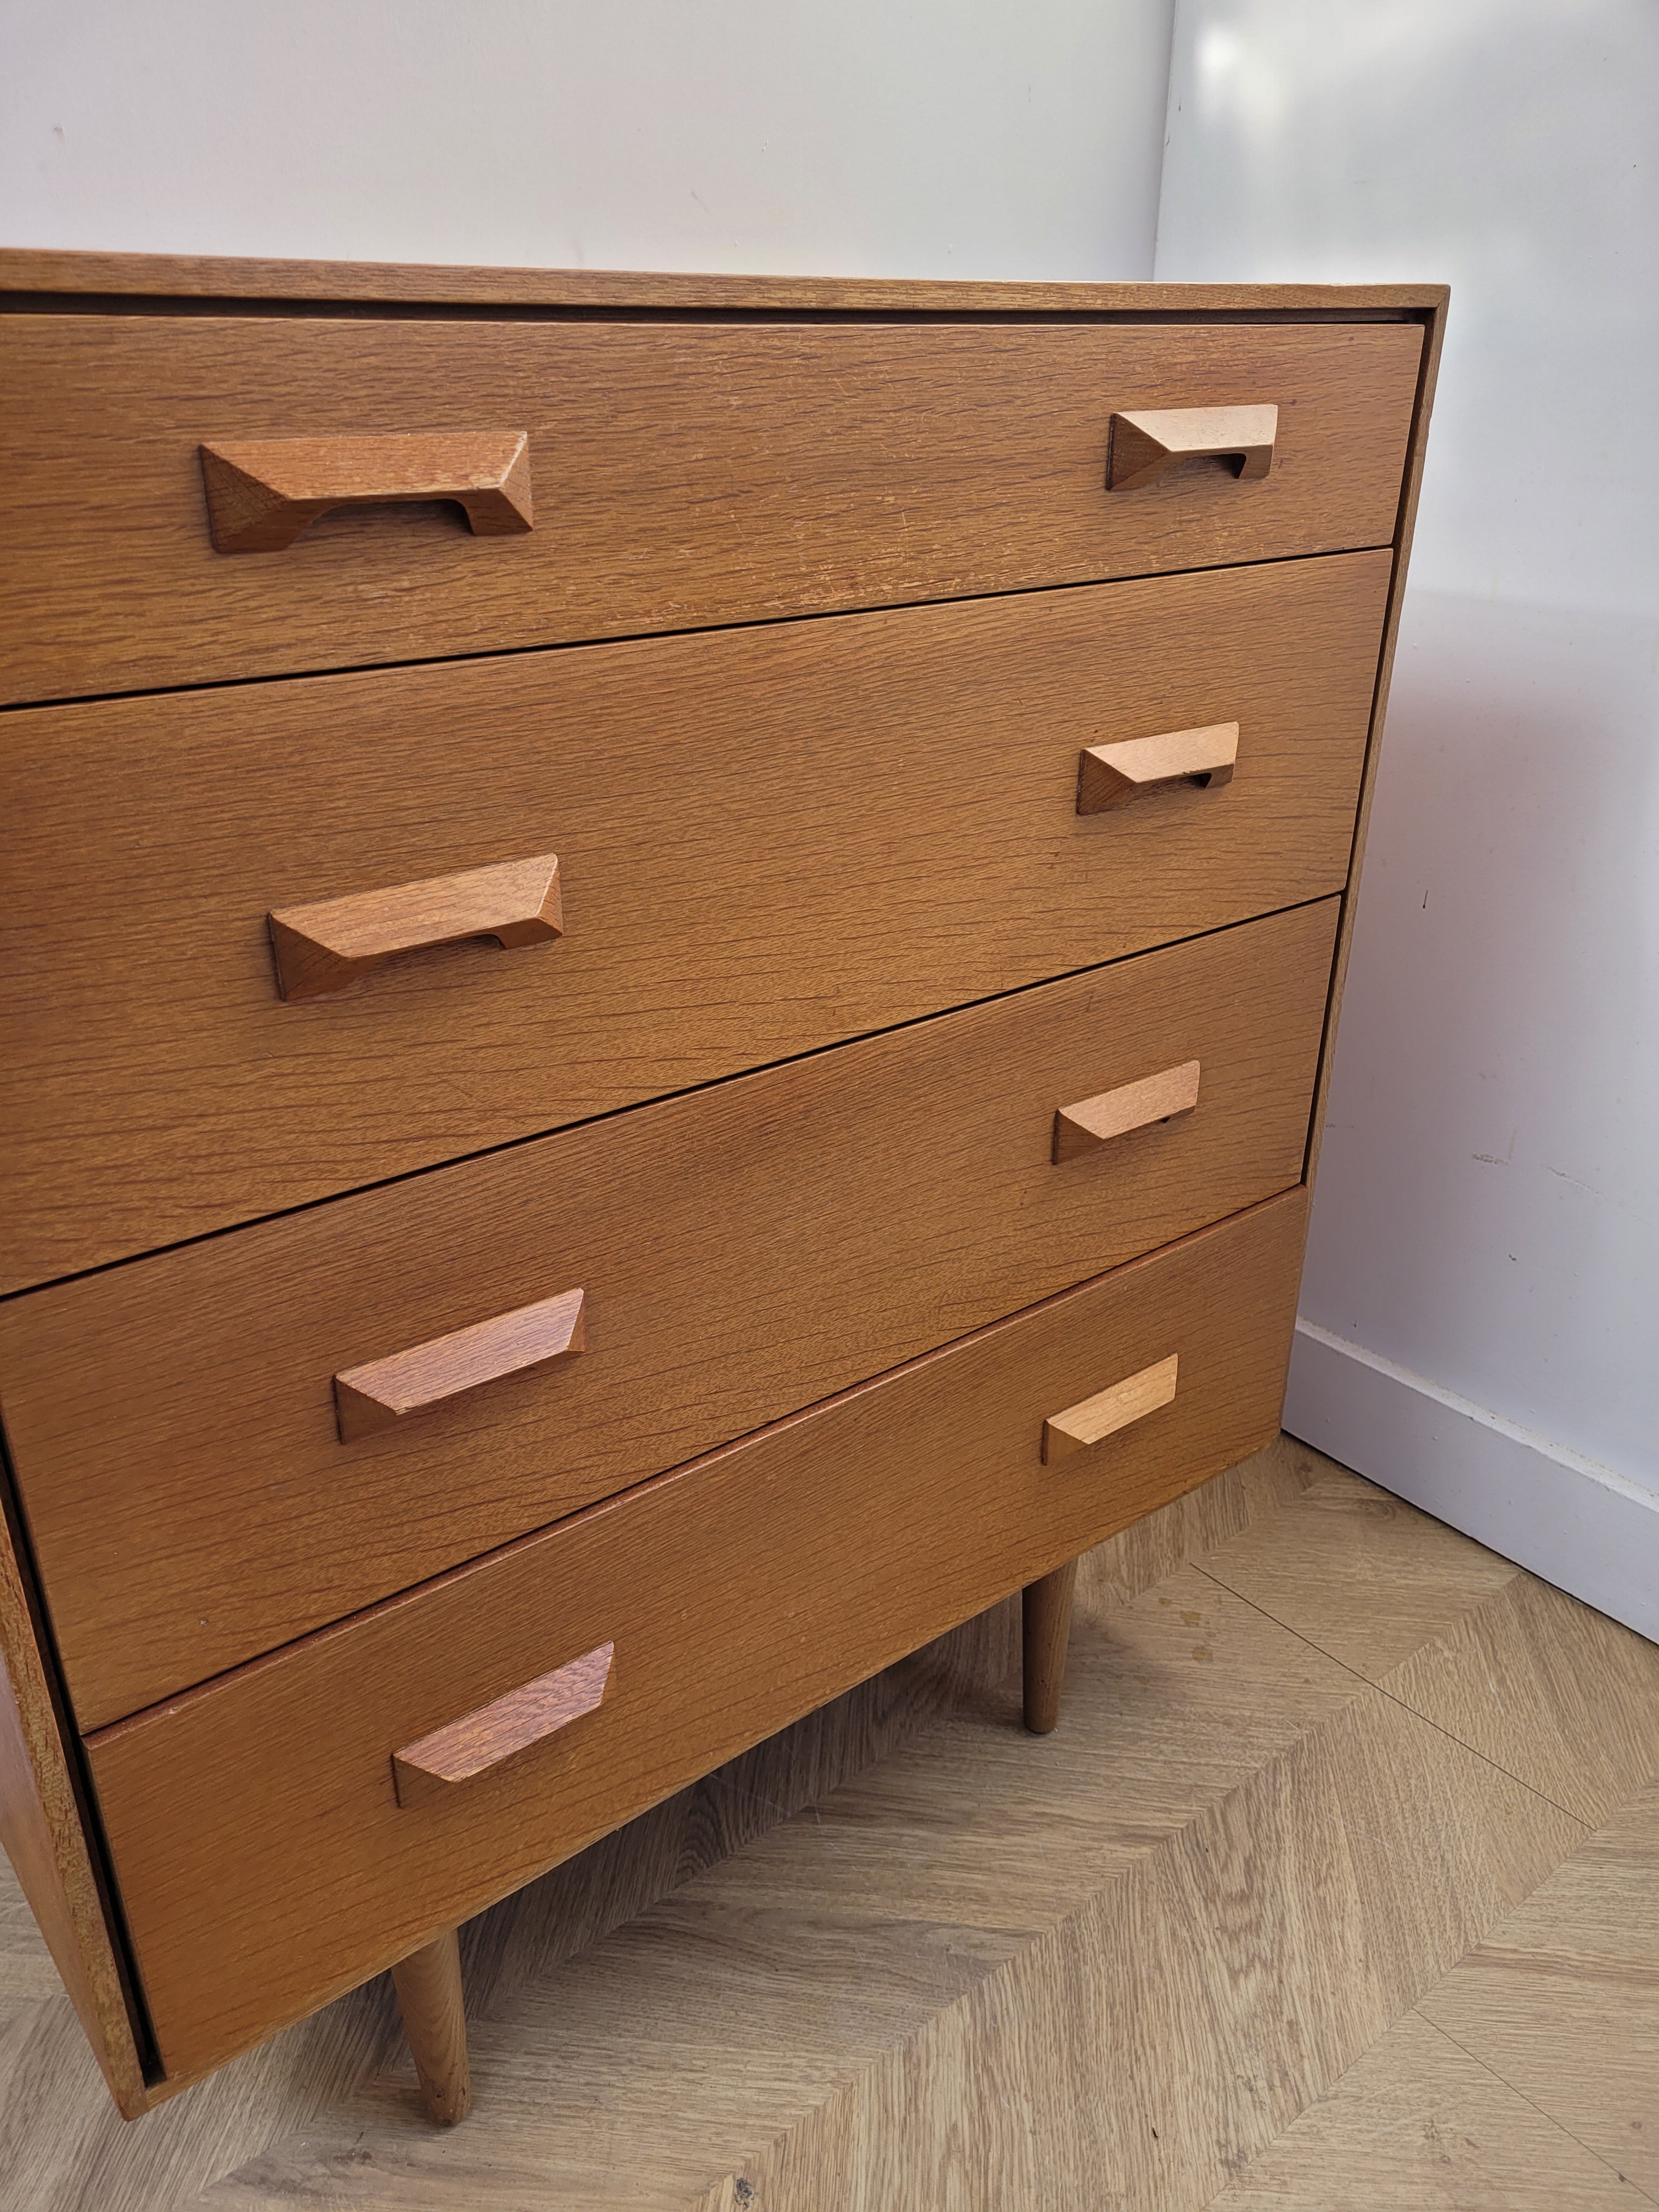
<point x="1147" y="440"/>
<point x="1110" y="776"/>
<point x="1132" y="1400"/>
<point x="1095" y="1121"/>
<point x="384" y="1391"/>
<point x="261" y="495"/>
<point x="478" y="1741"/>
<point x="322" y="948"/>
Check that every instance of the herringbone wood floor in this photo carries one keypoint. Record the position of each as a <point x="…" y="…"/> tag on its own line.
<point x="1338" y="1886"/>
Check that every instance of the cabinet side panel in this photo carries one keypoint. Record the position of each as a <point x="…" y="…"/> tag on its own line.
<point x="41" y="1829"/>
<point x="1434" y="333"/>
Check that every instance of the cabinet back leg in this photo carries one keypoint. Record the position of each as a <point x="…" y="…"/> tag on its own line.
<point x="1048" y="1623"/>
<point x="428" y="1986"/>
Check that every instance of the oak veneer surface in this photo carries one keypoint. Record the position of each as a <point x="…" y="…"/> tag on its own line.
<point x="165" y="278"/>
<point x="744" y="1251"/>
<point x="683" y="474"/>
<point x="265" y="1861"/>
<point x="768" y="840"/>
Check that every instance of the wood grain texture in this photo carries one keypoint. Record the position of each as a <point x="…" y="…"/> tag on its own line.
<point x="1546" y="1689"/>
<point x="1112" y="776"/>
<point x="1080" y="1427"/>
<point x="1417" y="454"/>
<point x="326" y="946"/>
<point x="1418" y="2126"/>
<point x="1083" y="1127"/>
<point x="1151" y="1551"/>
<point x="740" y="1594"/>
<point x="383" y="1392"/>
<point x="744" y="1251"/>
<point x="1562" y="1996"/>
<point x="433" y="2011"/>
<point x="508" y="1725"/>
<point x="42" y="1832"/>
<point x="665" y="2009"/>
<point x="263" y="495"/>
<point x="701" y="473"/>
<point x="164" y="275"/>
<point x="1576" y="1717"/>
<point x="924" y="763"/>
<point x="1146" y="443"/>
<point x="64" y="2146"/>
<point x="1046" y="1623"/>
<point x="1172" y="2009"/>
<point x="834" y="560"/>
<point x="1340" y="1544"/>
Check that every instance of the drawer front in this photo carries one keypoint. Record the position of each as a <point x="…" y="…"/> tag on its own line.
<point x="680" y="475"/>
<point x="743" y="1252"/>
<point x="767" y="840"/>
<point x="264" y="1860"/>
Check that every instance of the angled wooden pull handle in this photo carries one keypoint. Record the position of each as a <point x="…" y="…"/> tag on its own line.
<point x="1110" y="776"/>
<point x="1108" y="1411"/>
<point x="480" y="1740"/>
<point x="1145" y="442"/>
<point x="388" y="1390"/>
<point x="1095" y="1121"/>
<point x="322" y="948"/>
<point x="260" y="496"/>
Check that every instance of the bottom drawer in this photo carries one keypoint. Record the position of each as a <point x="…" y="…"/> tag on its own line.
<point x="267" y="1854"/>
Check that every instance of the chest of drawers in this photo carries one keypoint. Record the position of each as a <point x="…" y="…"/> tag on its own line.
<point x="669" y="947"/>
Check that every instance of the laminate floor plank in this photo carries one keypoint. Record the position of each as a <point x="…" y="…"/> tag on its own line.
<point x="51" y="2107"/>
<point x="22" y="2024"/>
<point x="1561" y="1697"/>
<point x="1359" y="1573"/>
<point x="1191" y="1526"/>
<point x="1417" y="2125"/>
<point x="1193" y="2004"/>
<point x="26" y="1966"/>
<point x="1561" y="1999"/>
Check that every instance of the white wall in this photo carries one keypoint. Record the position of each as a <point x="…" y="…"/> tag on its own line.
<point x="843" y="137"/>
<point x="1481" y="1306"/>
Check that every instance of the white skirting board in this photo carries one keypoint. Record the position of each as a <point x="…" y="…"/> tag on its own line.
<point x="1581" y="1526"/>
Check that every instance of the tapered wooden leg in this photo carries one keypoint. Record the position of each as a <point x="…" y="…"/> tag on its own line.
<point x="429" y="1985"/>
<point x="1048" y="1628"/>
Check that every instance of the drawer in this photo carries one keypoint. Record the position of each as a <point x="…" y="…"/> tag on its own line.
<point x="767" y="840"/>
<point x="743" y="1252"/>
<point x="264" y="1860"/>
<point x="679" y="474"/>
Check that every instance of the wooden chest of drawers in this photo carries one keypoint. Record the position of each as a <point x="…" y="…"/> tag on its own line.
<point x="546" y="1079"/>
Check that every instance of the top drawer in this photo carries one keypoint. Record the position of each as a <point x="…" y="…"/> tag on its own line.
<point x="679" y="475"/>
